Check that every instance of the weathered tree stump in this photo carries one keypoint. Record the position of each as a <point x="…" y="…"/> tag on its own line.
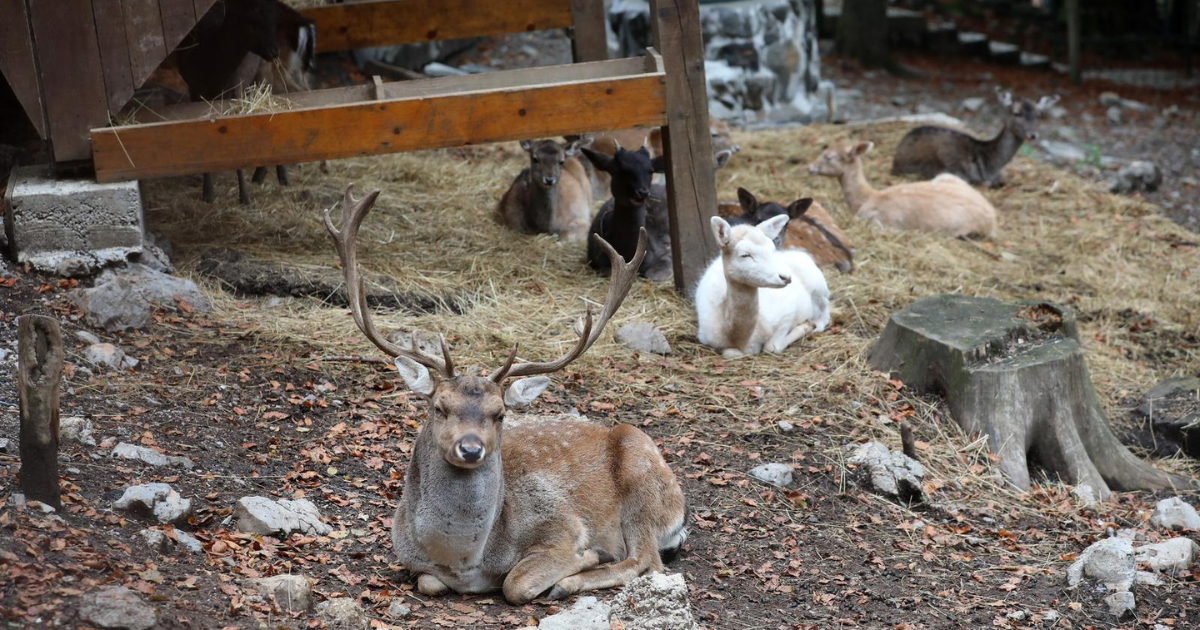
<point x="1016" y="373"/>
<point x="39" y="372"/>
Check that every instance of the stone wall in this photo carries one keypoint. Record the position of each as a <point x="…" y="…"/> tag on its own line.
<point x="760" y="56"/>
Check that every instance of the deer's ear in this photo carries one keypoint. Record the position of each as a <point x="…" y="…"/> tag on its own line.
<point x="415" y="376"/>
<point x="773" y="226"/>
<point x="658" y="164"/>
<point x="524" y="391"/>
<point x="599" y="159"/>
<point x="747" y="201"/>
<point x="721" y="229"/>
<point x="721" y="159"/>
<point x="799" y="207"/>
<point x="861" y="148"/>
<point x="527" y="145"/>
<point x="577" y="144"/>
<point x="1046" y="102"/>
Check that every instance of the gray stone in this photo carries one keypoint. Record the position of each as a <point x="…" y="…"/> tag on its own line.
<point x="76" y="429"/>
<point x="1146" y="578"/>
<point x="156" y="253"/>
<point x="973" y="104"/>
<point x="1175" y="514"/>
<point x="643" y="337"/>
<point x="342" y="613"/>
<point x="124" y="299"/>
<point x="1086" y="495"/>
<point x="892" y="473"/>
<point x="116" y="608"/>
<point x="260" y="515"/>
<point x="125" y="450"/>
<point x="785" y="426"/>
<point x="72" y="227"/>
<point x="291" y="593"/>
<point x="155" y="540"/>
<point x="438" y="69"/>
<point x="1109" y="561"/>
<point x="1114" y="115"/>
<point x="1137" y="176"/>
<point x="87" y="337"/>
<point x="161" y="542"/>
<point x="399" y="610"/>
<point x="188" y="542"/>
<point x="1172" y="556"/>
<point x="158" y="499"/>
<point x="5" y="445"/>
<point x="1063" y="152"/>
<point x="587" y="613"/>
<point x="656" y="601"/>
<point x="107" y="355"/>
<point x="1110" y="99"/>
<point x="1120" y="603"/>
<point x="775" y="474"/>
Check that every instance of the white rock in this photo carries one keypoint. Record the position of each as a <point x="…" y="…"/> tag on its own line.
<point x="1110" y="561"/>
<point x="1114" y="115"/>
<point x="1110" y="99"/>
<point x="158" y="499"/>
<point x="973" y="104"/>
<point x="643" y="337"/>
<point x="76" y="429"/>
<point x="1177" y="554"/>
<point x="188" y="542"/>
<point x="87" y="337"/>
<point x="260" y="515"/>
<point x="785" y="426"/>
<point x="125" y="450"/>
<point x="292" y="593"/>
<point x="775" y="474"/>
<point x="45" y="508"/>
<point x="124" y="299"/>
<point x="892" y="473"/>
<point x="1146" y="578"/>
<point x="588" y="613"/>
<point x="159" y="541"/>
<point x="5" y="445"/>
<point x="399" y="610"/>
<point x="116" y="608"/>
<point x="656" y="601"/>
<point x="1050" y="615"/>
<point x="342" y="613"/>
<point x="437" y="69"/>
<point x="1120" y="603"/>
<point x="108" y="356"/>
<point x="155" y="540"/>
<point x="1175" y="514"/>
<point x="1085" y="495"/>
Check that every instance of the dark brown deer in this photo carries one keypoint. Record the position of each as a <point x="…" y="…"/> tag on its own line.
<point x="623" y="217"/>
<point x="536" y="508"/>
<point x="811" y="228"/>
<point x="930" y="151"/>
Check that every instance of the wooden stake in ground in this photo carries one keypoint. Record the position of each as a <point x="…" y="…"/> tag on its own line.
<point x="1015" y="373"/>
<point x="39" y="372"/>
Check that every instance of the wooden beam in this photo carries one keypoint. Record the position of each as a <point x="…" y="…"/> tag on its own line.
<point x="72" y="78"/>
<point x="39" y="372"/>
<point x="144" y="35"/>
<point x="589" y="36"/>
<point x="429" y="115"/>
<point x="178" y="18"/>
<point x="114" y="52"/>
<point x="386" y="22"/>
<point x="687" y="144"/>
<point x="17" y="62"/>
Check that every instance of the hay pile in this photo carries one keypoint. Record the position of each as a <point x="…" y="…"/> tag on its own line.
<point x="1133" y="277"/>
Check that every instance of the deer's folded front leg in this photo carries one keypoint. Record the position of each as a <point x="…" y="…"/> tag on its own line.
<point x="539" y="571"/>
<point x="431" y="586"/>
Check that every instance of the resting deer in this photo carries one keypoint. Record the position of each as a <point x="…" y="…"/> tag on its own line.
<point x="754" y="298"/>
<point x="553" y="195"/>
<point x="621" y="218"/>
<point x="947" y="204"/>
<point x="659" y="265"/>
<point x="546" y="508"/>
<point x="928" y="151"/>
<point x="810" y="228"/>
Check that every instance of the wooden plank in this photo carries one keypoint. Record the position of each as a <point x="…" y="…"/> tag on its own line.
<point x="17" y="62"/>
<point x="386" y="22"/>
<point x="114" y="52"/>
<point x="589" y="36"/>
<point x="178" y="17"/>
<point x="72" y="78"/>
<point x="144" y="36"/>
<point x="369" y="128"/>
<point x="687" y="145"/>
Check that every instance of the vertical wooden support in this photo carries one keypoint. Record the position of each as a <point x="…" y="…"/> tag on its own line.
<point x="1073" y="35"/>
<point x="39" y="371"/>
<point x="72" y="79"/>
<point x="590" y="38"/>
<point x="687" y="144"/>
<point x="17" y="61"/>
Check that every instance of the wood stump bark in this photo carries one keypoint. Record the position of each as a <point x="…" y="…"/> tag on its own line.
<point x="1015" y="373"/>
<point x="39" y="372"/>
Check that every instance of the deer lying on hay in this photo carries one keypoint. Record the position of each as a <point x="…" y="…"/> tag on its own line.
<point x="553" y="195"/>
<point x="947" y="204"/>
<point x="811" y="228"/>
<point x="929" y="151"/>
<point x="622" y="218"/>
<point x="753" y="298"/>
<point x="534" y="509"/>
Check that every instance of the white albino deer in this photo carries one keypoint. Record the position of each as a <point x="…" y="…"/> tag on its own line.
<point x="753" y="298"/>
<point x="540" y="508"/>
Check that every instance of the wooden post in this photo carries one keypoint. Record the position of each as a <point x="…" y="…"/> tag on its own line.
<point x="589" y="36"/>
<point x="1073" y="35"/>
<point x="687" y="145"/>
<point x="39" y="371"/>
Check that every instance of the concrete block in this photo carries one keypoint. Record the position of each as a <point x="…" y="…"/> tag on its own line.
<point x="71" y="227"/>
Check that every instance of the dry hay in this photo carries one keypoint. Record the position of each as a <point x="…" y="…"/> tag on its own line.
<point x="1061" y="239"/>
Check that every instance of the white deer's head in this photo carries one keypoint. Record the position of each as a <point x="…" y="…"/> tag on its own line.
<point x="749" y="255"/>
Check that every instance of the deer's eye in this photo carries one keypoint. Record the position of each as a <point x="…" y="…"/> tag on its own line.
<point x="747" y="255"/>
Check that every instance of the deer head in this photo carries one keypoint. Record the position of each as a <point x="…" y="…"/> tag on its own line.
<point x="804" y="231"/>
<point x="840" y="159"/>
<point x="748" y="252"/>
<point x="1022" y="116"/>
<point x="631" y="171"/>
<point x="466" y="411"/>
<point x="546" y="158"/>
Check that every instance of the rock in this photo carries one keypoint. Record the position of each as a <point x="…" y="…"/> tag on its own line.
<point x="785" y="426"/>
<point x="87" y="337"/>
<point x="161" y="542"/>
<point x="116" y="608"/>
<point x="973" y="104"/>
<point x="1109" y="561"/>
<point x="124" y="299"/>
<point x="342" y="613"/>
<point x="643" y="337"/>
<point x="1063" y="152"/>
<point x="158" y="499"/>
<point x="109" y="356"/>
<point x="1058" y="112"/>
<point x="775" y="474"/>
<point x="1120" y="603"/>
<point x="5" y="445"/>
<point x="1086" y="495"/>
<point x="1110" y="99"/>
<point x="125" y="450"/>
<point x="156" y="253"/>
<point x="1175" y="514"/>
<point x="155" y="540"/>
<point x="43" y="507"/>
<point x="188" y="542"/>
<point x="399" y="610"/>
<point x="1146" y="578"/>
<point x="587" y="613"/>
<point x="437" y="69"/>
<point x="892" y="473"/>
<point x="1172" y="556"/>
<point x="1137" y="176"/>
<point x="76" y="429"/>
<point x="1114" y="115"/>
<point x="260" y="515"/>
<point x="292" y="593"/>
<point x="656" y="601"/>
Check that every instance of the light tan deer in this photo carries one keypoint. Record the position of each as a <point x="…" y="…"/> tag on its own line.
<point x="541" y="508"/>
<point x="947" y="204"/>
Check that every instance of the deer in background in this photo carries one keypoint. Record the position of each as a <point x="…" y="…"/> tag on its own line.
<point x="754" y="298"/>
<point x="537" y="509"/>
<point x="946" y="205"/>
<point x="553" y="195"/>
<point x="929" y="151"/>
<point x="659" y="265"/>
<point x="810" y="228"/>
<point x="623" y="217"/>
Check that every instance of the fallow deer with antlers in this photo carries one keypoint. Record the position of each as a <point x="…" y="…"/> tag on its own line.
<point x="540" y="508"/>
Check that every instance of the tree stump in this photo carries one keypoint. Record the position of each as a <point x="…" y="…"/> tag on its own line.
<point x="1015" y="373"/>
<point x="39" y="372"/>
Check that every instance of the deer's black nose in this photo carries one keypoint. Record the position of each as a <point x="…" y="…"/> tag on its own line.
<point x="549" y="181"/>
<point x="470" y="450"/>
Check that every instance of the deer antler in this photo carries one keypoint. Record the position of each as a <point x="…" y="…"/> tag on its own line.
<point x="346" y="241"/>
<point x="623" y="275"/>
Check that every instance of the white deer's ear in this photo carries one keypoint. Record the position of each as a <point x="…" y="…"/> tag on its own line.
<point x="773" y="226"/>
<point x="720" y="228"/>
<point x="523" y="392"/>
<point x="415" y="376"/>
